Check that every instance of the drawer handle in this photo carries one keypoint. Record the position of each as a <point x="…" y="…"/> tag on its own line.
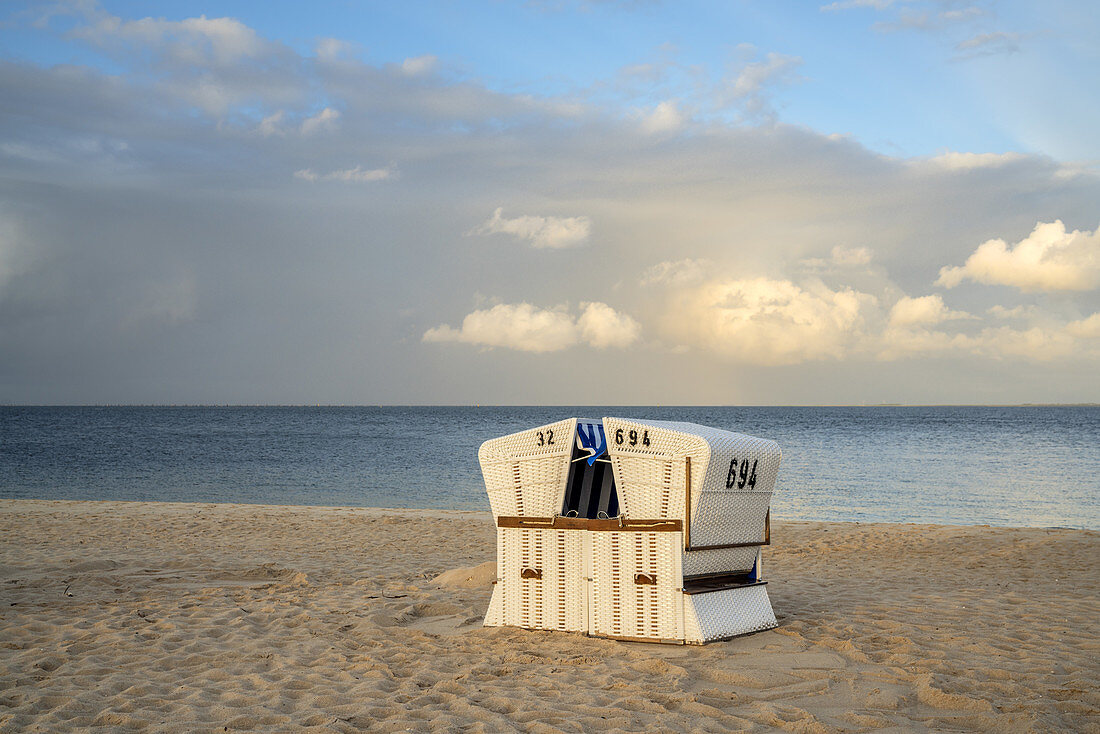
<point x="531" y="573"/>
<point x="645" y="579"/>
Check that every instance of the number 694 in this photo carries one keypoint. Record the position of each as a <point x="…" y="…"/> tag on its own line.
<point x="631" y="437"/>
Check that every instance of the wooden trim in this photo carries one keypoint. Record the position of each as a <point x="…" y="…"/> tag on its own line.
<point x="581" y="523"/>
<point x="625" y="638"/>
<point x="709" y="590"/>
<point x="724" y="546"/>
<point x="703" y="577"/>
<point x="719" y="582"/>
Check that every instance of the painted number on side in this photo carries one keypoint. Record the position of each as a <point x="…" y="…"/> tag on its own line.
<point x="631" y="438"/>
<point x="740" y="475"/>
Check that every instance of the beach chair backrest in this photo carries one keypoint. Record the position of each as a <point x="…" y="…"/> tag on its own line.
<point x="590" y="490"/>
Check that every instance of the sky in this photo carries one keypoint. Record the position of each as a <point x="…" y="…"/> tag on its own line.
<point x="567" y="203"/>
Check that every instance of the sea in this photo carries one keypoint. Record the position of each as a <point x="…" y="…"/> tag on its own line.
<point x="1007" y="466"/>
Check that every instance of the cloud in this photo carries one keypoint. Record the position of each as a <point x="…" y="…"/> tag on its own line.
<point x="664" y="118"/>
<point x="839" y="257"/>
<point x="418" y="65"/>
<point x="953" y="161"/>
<point x="323" y="120"/>
<point x="849" y="4"/>
<point x="349" y="175"/>
<point x="768" y="322"/>
<point x="1086" y="328"/>
<point x="332" y="50"/>
<point x="851" y="255"/>
<point x="276" y="123"/>
<point x="526" y="328"/>
<point x="924" y="310"/>
<point x="700" y="238"/>
<point x="749" y="85"/>
<point x="1016" y="312"/>
<point x="198" y="40"/>
<point x="988" y="44"/>
<point x="676" y="272"/>
<point x="603" y="327"/>
<point x="540" y="231"/>
<point x="1049" y="259"/>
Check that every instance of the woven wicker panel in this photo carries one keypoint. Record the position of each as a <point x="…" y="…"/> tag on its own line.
<point x="727" y="560"/>
<point x="721" y="614"/>
<point x="525" y="472"/>
<point x="650" y="479"/>
<point x="556" y="601"/>
<point x="735" y="513"/>
<point x="726" y="446"/>
<point x="494" y="616"/>
<point x="730" y="517"/>
<point x="623" y="608"/>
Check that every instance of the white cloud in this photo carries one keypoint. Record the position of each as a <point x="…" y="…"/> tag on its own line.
<point x="1087" y="328"/>
<point x="897" y="342"/>
<point x="676" y="272"/>
<point x="276" y="123"/>
<point x="923" y="310"/>
<point x="527" y="328"/>
<point x="954" y="161"/>
<point x="1036" y="344"/>
<point x="333" y="49"/>
<point x="272" y="124"/>
<point x="540" y="231"/>
<point x="191" y="40"/>
<point x="749" y="86"/>
<point x="602" y="326"/>
<point x="851" y="255"/>
<point x="986" y="44"/>
<point x="664" y="118"/>
<point x="1049" y="259"/>
<point x="349" y="175"/>
<point x="1016" y="312"/>
<point x="417" y="65"/>
<point x="768" y="322"/>
<point x="323" y="120"/>
<point x="848" y="4"/>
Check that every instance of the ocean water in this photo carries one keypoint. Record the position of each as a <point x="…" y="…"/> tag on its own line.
<point x="1016" y="466"/>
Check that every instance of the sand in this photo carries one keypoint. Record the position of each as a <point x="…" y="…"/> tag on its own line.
<point x="184" y="617"/>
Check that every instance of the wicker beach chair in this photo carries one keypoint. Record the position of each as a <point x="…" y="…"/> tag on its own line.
<point x="639" y="530"/>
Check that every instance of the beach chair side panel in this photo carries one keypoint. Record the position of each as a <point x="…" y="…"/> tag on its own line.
<point x="721" y="560"/>
<point x="540" y="579"/>
<point x="525" y="472"/>
<point x="732" y="499"/>
<point x="636" y="585"/>
<point x="720" y="615"/>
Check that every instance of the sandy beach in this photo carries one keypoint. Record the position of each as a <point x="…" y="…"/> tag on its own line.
<point x="184" y="617"/>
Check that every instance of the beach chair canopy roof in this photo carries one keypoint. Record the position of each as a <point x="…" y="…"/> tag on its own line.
<point x="633" y="467"/>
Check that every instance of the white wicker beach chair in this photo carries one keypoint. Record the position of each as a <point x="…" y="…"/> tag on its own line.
<point x="640" y="530"/>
